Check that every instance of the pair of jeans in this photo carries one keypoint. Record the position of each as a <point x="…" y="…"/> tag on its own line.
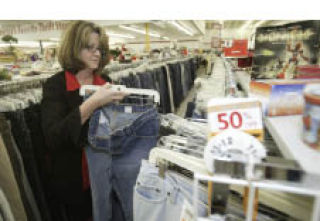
<point x="119" y="138"/>
<point x="166" y="70"/>
<point x="183" y="81"/>
<point x="158" y="199"/>
<point x="175" y="75"/>
<point x="187" y="69"/>
<point x="26" y="192"/>
<point x="162" y="88"/>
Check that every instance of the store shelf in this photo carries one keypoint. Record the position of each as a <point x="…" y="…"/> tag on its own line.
<point x="298" y="206"/>
<point x="308" y="186"/>
<point x="287" y="133"/>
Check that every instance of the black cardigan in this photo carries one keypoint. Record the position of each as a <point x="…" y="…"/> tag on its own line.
<point x="65" y="138"/>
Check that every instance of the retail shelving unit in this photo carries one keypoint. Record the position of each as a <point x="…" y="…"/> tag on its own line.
<point x="287" y="133"/>
<point x="308" y="187"/>
<point x="295" y="205"/>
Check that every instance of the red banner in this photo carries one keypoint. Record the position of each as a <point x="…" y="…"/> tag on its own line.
<point x="239" y="48"/>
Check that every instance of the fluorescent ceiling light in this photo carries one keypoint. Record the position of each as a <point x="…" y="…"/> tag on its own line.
<point x="54" y="39"/>
<point x="259" y="23"/>
<point x="164" y="37"/>
<point x="181" y="28"/>
<point x="139" y="31"/>
<point x="246" y="25"/>
<point x="120" y="35"/>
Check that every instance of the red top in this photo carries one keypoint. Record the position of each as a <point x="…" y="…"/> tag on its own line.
<point x="72" y="84"/>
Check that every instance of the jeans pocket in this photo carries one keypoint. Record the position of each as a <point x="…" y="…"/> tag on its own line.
<point x="149" y="203"/>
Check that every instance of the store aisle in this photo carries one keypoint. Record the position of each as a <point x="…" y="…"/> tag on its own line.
<point x="181" y="111"/>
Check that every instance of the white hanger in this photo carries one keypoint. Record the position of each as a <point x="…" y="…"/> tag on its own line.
<point x="156" y="96"/>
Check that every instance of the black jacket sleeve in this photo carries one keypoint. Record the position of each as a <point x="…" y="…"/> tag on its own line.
<point x="61" y="125"/>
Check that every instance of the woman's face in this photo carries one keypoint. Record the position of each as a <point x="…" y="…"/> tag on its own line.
<point x="91" y="55"/>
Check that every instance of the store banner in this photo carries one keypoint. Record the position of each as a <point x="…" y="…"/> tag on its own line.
<point x="279" y="50"/>
<point x="239" y="48"/>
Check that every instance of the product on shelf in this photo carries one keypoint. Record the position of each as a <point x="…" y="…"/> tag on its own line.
<point x="280" y="97"/>
<point x="311" y="116"/>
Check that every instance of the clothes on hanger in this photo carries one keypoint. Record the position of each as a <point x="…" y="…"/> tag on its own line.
<point x="120" y="136"/>
<point x="18" y="107"/>
<point x="168" y="78"/>
<point x="17" y="163"/>
<point x="159" y="199"/>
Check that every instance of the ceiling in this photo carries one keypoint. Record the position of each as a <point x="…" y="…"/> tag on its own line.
<point x="134" y="31"/>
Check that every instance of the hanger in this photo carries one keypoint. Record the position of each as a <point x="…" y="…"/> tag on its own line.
<point x="84" y="90"/>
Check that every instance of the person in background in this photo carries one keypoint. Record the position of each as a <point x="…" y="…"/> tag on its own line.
<point x="83" y="55"/>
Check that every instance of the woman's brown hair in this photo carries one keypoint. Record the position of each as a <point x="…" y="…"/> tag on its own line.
<point x="76" y="38"/>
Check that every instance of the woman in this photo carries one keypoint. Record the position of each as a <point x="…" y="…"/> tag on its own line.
<point x="83" y="54"/>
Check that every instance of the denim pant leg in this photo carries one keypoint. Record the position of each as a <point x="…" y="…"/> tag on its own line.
<point x="125" y="167"/>
<point x="166" y="196"/>
<point x="99" y="165"/>
<point x="120" y="141"/>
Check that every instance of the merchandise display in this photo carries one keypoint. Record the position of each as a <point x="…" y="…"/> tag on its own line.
<point x="280" y="97"/>
<point x="280" y="49"/>
<point x="311" y="116"/>
<point x="184" y="122"/>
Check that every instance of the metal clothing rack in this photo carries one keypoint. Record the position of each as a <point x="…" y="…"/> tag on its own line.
<point x="17" y="85"/>
<point x="163" y="157"/>
<point x="308" y="187"/>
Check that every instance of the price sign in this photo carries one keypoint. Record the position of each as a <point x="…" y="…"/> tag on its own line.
<point x="235" y="113"/>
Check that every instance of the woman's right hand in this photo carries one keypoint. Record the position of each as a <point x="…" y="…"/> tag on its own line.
<point x="105" y="95"/>
<point x="101" y="97"/>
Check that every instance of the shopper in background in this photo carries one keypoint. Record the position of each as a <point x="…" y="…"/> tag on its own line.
<point x="83" y="54"/>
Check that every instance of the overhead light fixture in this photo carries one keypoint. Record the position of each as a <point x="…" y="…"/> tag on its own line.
<point x="181" y="28"/>
<point x="139" y="31"/>
<point x="120" y="35"/>
<point x="246" y="25"/>
<point x="54" y="39"/>
<point x="259" y="23"/>
<point x="164" y="37"/>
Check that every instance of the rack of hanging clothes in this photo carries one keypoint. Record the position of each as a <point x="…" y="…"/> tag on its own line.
<point x="172" y="78"/>
<point x="178" y="156"/>
<point x="23" y="159"/>
<point x="118" y="67"/>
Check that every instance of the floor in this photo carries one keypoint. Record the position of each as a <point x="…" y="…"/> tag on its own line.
<point x="181" y="111"/>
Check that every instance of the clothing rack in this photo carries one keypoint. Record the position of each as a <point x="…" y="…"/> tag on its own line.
<point x="119" y="67"/>
<point x="295" y="205"/>
<point x="21" y="84"/>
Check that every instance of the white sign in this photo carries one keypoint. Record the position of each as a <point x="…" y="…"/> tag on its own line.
<point x="233" y="145"/>
<point x="233" y="113"/>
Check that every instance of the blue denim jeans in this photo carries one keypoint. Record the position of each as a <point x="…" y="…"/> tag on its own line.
<point x="119" y="138"/>
<point x="158" y="199"/>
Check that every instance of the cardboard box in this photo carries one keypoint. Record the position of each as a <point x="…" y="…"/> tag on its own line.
<point x="280" y="97"/>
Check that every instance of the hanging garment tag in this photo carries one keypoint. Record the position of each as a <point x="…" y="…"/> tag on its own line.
<point x="128" y="109"/>
<point x="187" y="213"/>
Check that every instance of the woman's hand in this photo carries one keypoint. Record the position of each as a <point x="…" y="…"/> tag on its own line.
<point x="101" y="97"/>
<point x="105" y="96"/>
